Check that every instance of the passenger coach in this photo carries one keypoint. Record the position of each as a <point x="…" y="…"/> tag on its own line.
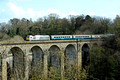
<point x="82" y="36"/>
<point x="61" y="37"/>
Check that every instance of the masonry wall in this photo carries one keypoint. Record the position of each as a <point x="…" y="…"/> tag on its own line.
<point x="35" y="51"/>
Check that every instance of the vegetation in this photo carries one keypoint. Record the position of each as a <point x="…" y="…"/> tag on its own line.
<point x="52" y="24"/>
<point x="104" y="59"/>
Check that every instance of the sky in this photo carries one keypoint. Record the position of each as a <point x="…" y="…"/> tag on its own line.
<point x="35" y="9"/>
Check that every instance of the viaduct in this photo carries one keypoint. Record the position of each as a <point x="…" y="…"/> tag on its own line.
<point x="19" y="57"/>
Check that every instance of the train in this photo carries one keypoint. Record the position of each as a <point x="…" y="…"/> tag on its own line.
<point x="65" y="37"/>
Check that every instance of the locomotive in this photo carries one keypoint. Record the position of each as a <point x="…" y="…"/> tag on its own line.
<point x="65" y="37"/>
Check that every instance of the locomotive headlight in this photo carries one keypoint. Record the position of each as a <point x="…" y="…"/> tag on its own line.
<point x="27" y="39"/>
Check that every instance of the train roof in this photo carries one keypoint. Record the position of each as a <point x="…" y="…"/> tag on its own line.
<point x="61" y="35"/>
<point x="39" y="35"/>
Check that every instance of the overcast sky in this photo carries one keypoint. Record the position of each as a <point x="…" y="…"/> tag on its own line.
<point x="35" y="9"/>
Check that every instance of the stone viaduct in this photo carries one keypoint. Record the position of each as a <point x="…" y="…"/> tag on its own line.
<point x="21" y="56"/>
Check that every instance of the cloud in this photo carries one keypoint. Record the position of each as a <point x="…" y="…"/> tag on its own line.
<point x="114" y="13"/>
<point x="28" y="13"/>
<point x="24" y="0"/>
<point x="73" y="13"/>
<point x="2" y="0"/>
<point x="19" y="12"/>
<point x="2" y="10"/>
<point x="57" y="12"/>
<point x="91" y="13"/>
<point x="21" y="0"/>
<point x="105" y="15"/>
<point x="111" y="15"/>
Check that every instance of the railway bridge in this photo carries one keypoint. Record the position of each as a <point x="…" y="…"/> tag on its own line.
<point x="19" y="58"/>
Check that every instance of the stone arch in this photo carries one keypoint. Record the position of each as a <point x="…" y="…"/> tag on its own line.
<point x="70" y="54"/>
<point x="85" y="54"/>
<point x="54" y="58"/>
<point x="18" y="62"/>
<point x="37" y="61"/>
<point x="70" y="61"/>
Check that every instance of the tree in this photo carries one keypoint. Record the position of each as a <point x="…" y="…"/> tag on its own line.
<point x="102" y="64"/>
<point x="117" y="25"/>
<point x="79" y="21"/>
<point x="12" y="32"/>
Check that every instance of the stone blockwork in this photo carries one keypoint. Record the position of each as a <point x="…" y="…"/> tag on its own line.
<point x="27" y="54"/>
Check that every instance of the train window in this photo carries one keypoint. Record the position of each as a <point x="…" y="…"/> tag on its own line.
<point x="34" y="37"/>
<point x="27" y="37"/>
